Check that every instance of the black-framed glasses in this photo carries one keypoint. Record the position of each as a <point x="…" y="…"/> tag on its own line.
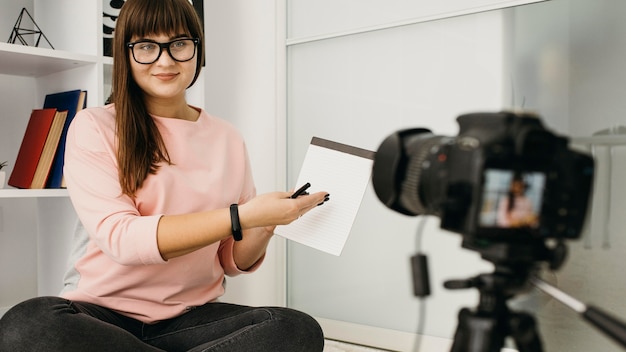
<point x="148" y="51"/>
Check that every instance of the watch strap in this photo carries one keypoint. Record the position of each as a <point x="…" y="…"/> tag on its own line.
<point x="235" y="225"/>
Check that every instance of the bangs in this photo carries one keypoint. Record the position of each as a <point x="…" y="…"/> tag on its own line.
<point x="160" y="17"/>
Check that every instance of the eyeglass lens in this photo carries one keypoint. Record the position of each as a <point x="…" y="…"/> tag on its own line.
<point x="149" y="52"/>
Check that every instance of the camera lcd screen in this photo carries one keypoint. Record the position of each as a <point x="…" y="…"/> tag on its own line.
<point x="511" y="199"/>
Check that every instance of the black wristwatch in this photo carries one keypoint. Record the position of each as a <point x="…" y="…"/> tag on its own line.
<point x="235" y="226"/>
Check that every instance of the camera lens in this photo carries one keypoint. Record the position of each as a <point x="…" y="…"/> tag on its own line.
<point x="405" y="176"/>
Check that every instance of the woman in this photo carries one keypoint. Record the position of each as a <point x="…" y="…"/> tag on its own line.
<point x="165" y="194"/>
<point x="515" y="208"/>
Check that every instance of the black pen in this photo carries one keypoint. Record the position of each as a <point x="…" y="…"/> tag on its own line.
<point x="300" y="190"/>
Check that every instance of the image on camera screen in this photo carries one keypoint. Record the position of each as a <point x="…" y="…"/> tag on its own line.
<point x="511" y="199"/>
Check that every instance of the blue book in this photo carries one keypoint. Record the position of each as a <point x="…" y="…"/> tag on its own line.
<point x="72" y="101"/>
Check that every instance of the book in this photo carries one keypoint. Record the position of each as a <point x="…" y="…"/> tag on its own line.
<point x="31" y="148"/>
<point x="82" y="103"/>
<point x="72" y="101"/>
<point x="344" y="172"/>
<point x="49" y="149"/>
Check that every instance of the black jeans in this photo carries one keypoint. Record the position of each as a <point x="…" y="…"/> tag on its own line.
<point x="56" y="324"/>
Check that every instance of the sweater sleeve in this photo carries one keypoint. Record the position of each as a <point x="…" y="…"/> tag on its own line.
<point x="225" y="251"/>
<point x="91" y="174"/>
<point x="228" y="262"/>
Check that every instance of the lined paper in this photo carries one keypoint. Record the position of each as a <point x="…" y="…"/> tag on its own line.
<point x="344" y="172"/>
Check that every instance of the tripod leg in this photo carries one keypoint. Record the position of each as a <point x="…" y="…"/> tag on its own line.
<point x="524" y="331"/>
<point x="476" y="333"/>
<point x="460" y="335"/>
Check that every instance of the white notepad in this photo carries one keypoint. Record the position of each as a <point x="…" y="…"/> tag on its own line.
<point x="344" y="172"/>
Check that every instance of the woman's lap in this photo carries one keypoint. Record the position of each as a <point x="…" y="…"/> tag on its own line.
<point x="53" y="323"/>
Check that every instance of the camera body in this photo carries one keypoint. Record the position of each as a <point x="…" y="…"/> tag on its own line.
<point x="504" y="177"/>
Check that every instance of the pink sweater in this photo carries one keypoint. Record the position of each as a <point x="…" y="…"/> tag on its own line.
<point x="116" y="262"/>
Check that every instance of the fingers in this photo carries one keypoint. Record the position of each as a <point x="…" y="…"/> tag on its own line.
<point x="278" y="208"/>
<point x="326" y="199"/>
<point x="312" y="201"/>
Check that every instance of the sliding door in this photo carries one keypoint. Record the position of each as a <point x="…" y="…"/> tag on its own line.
<point x="359" y="71"/>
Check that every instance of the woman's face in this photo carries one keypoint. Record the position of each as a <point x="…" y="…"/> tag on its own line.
<point x="165" y="78"/>
<point x="517" y="187"/>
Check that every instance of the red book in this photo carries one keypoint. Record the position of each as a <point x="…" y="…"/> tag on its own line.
<point x="32" y="145"/>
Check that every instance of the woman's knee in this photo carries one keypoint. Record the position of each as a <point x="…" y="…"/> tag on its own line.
<point x="300" y="328"/>
<point x="30" y="318"/>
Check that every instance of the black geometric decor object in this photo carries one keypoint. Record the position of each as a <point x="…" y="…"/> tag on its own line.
<point x="19" y="32"/>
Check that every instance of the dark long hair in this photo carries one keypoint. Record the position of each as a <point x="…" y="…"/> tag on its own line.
<point x="140" y="147"/>
<point x="517" y="178"/>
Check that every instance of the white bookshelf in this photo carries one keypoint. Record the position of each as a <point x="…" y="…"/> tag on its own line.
<point x="36" y="226"/>
<point x="9" y="193"/>
<point x="20" y="60"/>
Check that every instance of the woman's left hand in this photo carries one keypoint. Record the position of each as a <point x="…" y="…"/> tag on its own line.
<point x="277" y="208"/>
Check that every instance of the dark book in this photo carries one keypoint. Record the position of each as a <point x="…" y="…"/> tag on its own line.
<point x="72" y="101"/>
<point x="31" y="148"/>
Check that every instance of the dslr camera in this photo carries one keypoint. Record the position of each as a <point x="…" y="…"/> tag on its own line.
<point x="503" y="178"/>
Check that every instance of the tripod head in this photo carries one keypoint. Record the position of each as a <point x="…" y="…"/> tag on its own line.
<point x="515" y="264"/>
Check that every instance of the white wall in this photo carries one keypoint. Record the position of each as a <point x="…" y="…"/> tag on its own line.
<point x="245" y="84"/>
<point x="8" y="16"/>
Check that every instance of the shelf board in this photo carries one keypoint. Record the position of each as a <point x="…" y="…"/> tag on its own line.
<point x="32" y="193"/>
<point x="21" y="60"/>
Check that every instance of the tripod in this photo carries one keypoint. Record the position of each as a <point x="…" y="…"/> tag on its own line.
<point x="486" y="328"/>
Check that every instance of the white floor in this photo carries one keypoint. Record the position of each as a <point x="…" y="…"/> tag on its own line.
<point x="336" y="346"/>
